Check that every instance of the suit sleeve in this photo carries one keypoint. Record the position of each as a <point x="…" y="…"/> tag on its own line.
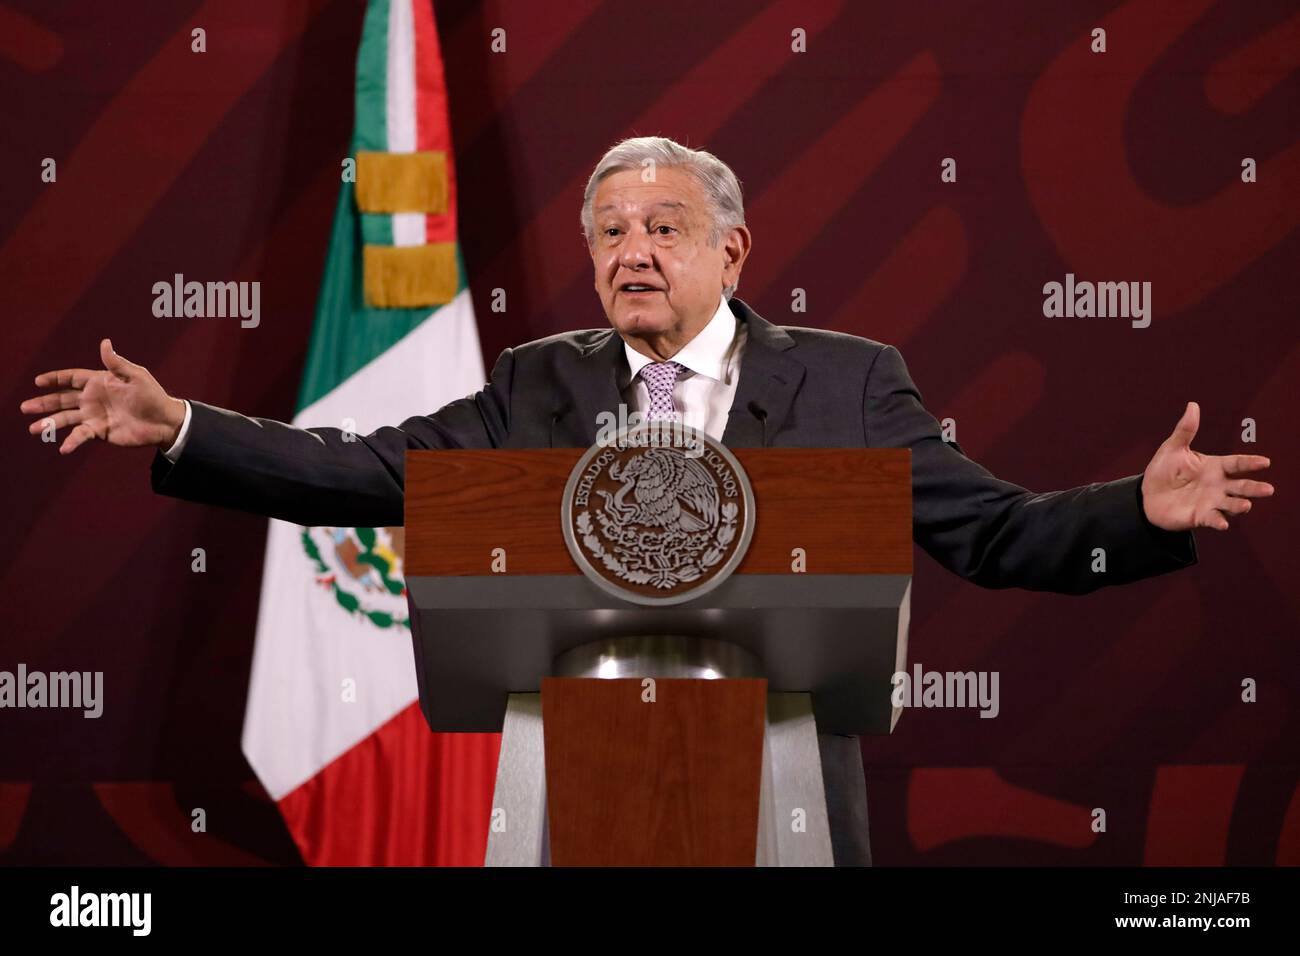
<point x="999" y="535"/>
<point x="323" y="476"/>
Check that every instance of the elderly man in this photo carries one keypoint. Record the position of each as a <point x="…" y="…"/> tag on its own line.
<point x="665" y="228"/>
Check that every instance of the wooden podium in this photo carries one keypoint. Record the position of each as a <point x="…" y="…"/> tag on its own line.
<point x="665" y="735"/>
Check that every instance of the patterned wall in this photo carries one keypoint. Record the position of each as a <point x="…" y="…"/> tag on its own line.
<point x="1117" y="166"/>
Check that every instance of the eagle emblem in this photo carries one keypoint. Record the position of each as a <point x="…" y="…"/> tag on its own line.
<point x="658" y="523"/>
<point x="668" y="489"/>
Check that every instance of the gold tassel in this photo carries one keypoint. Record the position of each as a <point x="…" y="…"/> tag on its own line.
<point x="405" y="277"/>
<point x="402" y="182"/>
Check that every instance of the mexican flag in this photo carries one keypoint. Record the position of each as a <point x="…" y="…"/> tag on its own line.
<point x="333" y="727"/>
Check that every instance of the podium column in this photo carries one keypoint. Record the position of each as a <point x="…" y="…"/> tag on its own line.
<point x="600" y="804"/>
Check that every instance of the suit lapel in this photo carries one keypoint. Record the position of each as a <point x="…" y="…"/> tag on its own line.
<point x="596" y="388"/>
<point x="769" y="380"/>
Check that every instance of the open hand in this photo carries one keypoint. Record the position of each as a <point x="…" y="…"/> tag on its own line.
<point x="122" y="405"/>
<point x="1183" y="489"/>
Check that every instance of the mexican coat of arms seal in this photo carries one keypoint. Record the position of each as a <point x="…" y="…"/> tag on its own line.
<point x="658" y="520"/>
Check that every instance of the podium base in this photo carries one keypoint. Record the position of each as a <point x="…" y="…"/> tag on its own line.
<point x="793" y="826"/>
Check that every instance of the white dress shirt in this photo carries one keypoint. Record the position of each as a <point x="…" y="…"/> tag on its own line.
<point x="706" y="387"/>
<point x="171" y="454"/>
<point x="703" y="392"/>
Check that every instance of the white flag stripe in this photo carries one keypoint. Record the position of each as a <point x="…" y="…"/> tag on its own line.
<point x="400" y="87"/>
<point x="408" y="227"/>
<point x="296" y="719"/>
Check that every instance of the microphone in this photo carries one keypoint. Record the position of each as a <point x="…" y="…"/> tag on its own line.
<point x="759" y="412"/>
<point x="559" y="412"/>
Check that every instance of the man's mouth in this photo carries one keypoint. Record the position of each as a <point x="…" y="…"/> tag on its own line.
<point x="638" y="288"/>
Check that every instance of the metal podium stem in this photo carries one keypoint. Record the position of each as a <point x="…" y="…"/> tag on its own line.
<point x="517" y="831"/>
<point x="792" y="827"/>
<point x="659" y="656"/>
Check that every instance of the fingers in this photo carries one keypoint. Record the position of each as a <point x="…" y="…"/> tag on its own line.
<point x="1218" y="517"/>
<point x="76" y="438"/>
<point x="60" y="420"/>
<point x="114" y="362"/>
<point x="1237" y="501"/>
<point x="1246" y="488"/>
<point x="1186" y="428"/>
<point x="1242" y="464"/>
<point x="64" y="378"/>
<point x="52" y="402"/>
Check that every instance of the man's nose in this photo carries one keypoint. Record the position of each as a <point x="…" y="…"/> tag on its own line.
<point x="637" y="251"/>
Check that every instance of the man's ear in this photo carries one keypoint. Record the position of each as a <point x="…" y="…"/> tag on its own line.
<point x="735" y="246"/>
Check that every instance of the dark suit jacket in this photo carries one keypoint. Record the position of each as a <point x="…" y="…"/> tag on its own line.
<point x="798" y="388"/>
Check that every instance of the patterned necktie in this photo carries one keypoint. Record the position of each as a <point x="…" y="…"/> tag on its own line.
<point x="660" y="377"/>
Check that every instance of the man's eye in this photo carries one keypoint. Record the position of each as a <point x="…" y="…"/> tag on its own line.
<point x="664" y="230"/>
<point x="612" y="231"/>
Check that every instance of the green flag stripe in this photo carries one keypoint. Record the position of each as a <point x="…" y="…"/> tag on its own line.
<point x="376" y="229"/>
<point x="371" y="104"/>
<point x="371" y="132"/>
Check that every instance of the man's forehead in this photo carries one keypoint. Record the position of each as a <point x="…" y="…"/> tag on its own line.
<point x="626" y="190"/>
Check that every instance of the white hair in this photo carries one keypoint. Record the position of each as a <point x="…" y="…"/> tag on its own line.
<point x="721" y="187"/>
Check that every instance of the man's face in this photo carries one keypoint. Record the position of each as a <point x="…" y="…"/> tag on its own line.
<point x="658" y="278"/>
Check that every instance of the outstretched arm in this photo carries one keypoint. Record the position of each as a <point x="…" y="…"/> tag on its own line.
<point x="313" y="476"/>
<point x="998" y="534"/>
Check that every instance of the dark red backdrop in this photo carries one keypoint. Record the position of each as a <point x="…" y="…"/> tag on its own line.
<point x="1123" y="166"/>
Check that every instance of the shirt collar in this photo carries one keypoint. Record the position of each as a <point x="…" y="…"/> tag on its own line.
<point x="706" y="354"/>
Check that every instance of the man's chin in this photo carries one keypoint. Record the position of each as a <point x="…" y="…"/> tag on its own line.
<point x="640" y="320"/>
